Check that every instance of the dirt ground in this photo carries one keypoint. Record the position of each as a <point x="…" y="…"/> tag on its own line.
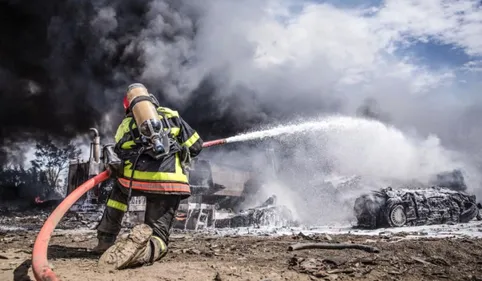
<point x="203" y="257"/>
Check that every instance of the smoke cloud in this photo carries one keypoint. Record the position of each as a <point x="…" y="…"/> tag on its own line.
<point x="231" y="66"/>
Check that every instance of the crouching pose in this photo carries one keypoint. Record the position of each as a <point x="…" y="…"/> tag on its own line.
<point x="154" y="160"/>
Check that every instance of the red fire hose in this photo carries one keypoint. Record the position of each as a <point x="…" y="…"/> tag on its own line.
<point x="214" y="142"/>
<point x="40" y="264"/>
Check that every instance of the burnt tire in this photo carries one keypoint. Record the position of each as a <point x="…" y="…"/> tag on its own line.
<point x="470" y="213"/>
<point x="479" y="212"/>
<point x="395" y="215"/>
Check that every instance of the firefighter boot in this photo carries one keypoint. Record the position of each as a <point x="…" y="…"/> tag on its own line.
<point x="102" y="246"/>
<point x="129" y="252"/>
<point x="154" y="251"/>
<point x="105" y="241"/>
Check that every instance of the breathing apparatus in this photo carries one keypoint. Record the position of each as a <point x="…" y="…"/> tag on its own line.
<point x="153" y="135"/>
<point x="154" y="138"/>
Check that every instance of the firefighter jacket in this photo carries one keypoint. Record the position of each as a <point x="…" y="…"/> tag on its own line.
<point x="168" y="174"/>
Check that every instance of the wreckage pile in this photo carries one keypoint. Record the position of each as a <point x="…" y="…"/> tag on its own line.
<point x="267" y="214"/>
<point x="34" y="219"/>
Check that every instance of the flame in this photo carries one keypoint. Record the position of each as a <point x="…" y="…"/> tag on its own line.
<point x="38" y="201"/>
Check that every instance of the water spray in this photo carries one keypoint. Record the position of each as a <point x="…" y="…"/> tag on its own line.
<point x="333" y="124"/>
<point x="323" y="125"/>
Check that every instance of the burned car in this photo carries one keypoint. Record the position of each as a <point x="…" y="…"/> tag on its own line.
<point x="411" y="207"/>
<point x="268" y="213"/>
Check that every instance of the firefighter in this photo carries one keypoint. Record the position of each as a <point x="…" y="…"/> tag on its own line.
<point x="163" y="182"/>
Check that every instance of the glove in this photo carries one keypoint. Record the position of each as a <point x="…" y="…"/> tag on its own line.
<point x="112" y="162"/>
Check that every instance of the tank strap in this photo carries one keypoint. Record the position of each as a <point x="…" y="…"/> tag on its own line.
<point x="134" y="131"/>
<point x="139" y="99"/>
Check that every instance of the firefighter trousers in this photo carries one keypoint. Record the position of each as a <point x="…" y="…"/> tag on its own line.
<point x="159" y="213"/>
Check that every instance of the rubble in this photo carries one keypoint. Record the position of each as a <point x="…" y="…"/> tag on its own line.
<point x="408" y="255"/>
<point x="267" y="214"/>
<point x="332" y="246"/>
<point x="33" y="220"/>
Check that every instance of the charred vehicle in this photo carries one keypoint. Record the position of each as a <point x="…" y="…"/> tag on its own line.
<point x="268" y="213"/>
<point x="411" y="207"/>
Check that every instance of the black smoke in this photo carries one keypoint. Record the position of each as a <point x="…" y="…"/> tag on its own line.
<point x="54" y="77"/>
<point x="64" y="64"/>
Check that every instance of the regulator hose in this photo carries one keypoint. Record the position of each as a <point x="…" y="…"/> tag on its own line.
<point x="141" y="151"/>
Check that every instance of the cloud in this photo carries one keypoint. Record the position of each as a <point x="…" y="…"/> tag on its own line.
<point x="449" y="22"/>
<point x="473" y="66"/>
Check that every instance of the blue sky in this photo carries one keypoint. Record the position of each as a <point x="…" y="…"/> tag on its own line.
<point x="431" y="53"/>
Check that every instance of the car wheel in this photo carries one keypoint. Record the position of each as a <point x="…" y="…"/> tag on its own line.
<point x="397" y="216"/>
<point x="471" y="212"/>
<point x="479" y="212"/>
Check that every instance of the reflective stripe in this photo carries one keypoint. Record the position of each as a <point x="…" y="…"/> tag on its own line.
<point x="124" y="126"/>
<point x="193" y="139"/>
<point x="156" y="186"/>
<point x="163" y="250"/>
<point x="128" y="145"/>
<point x="122" y="129"/>
<point x="163" y="245"/>
<point x="116" y="205"/>
<point x="177" y="176"/>
<point x="169" y="113"/>
<point x="175" y="131"/>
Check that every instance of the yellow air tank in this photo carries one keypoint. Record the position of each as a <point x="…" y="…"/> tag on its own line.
<point x="146" y="116"/>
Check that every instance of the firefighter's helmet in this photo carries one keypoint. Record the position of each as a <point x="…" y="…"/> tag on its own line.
<point x="126" y="104"/>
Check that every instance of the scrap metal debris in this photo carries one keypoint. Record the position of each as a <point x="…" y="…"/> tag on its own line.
<point x="320" y="267"/>
<point x="266" y="214"/>
<point x="332" y="246"/>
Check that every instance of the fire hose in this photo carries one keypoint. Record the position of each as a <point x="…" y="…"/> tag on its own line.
<point x="40" y="264"/>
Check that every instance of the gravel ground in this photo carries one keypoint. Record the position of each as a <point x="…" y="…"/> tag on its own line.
<point x="207" y="256"/>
